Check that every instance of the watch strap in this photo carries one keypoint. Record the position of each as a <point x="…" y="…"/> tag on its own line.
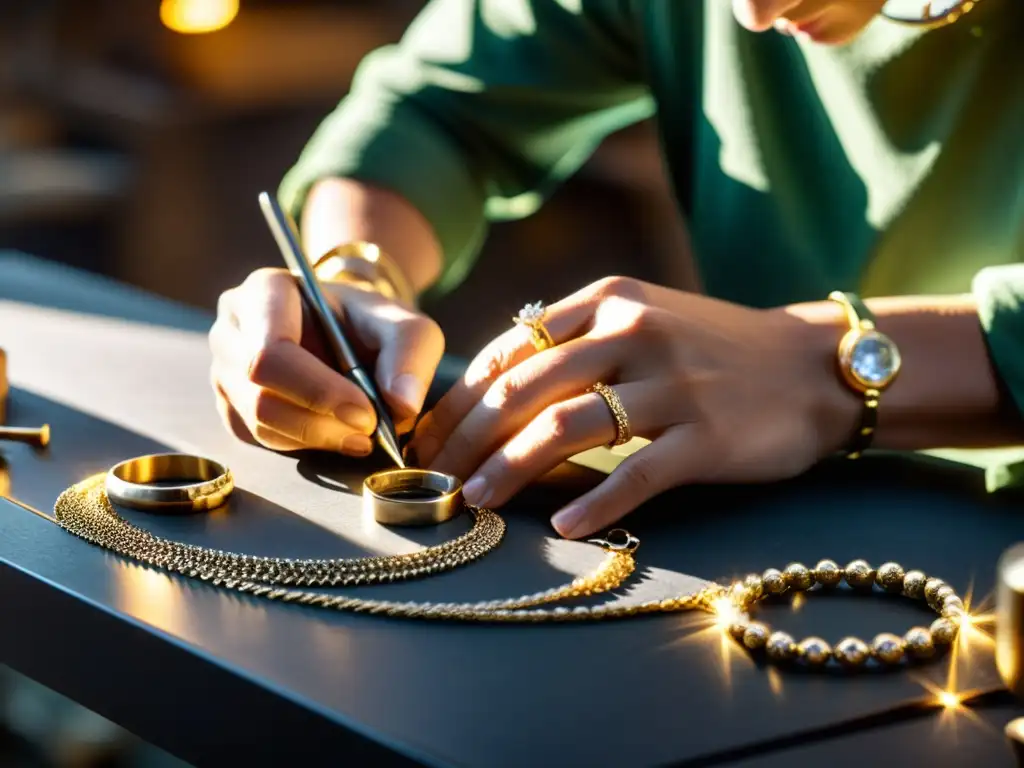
<point x="859" y="317"/>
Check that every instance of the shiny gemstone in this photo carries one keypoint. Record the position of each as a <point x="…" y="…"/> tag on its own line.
<point x="532" y="312"/>
<point x="874" y="359"/>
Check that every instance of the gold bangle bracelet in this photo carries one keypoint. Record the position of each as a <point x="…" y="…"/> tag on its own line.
<point x="412" y="496"/>
<point x="362" y="262"/>
<point x="170" y="482"/>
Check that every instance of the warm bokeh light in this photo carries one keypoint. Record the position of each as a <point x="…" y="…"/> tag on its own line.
<point x="948" y="699"/>
<point x="192" y="17"/>
<point x="726" y="612"/>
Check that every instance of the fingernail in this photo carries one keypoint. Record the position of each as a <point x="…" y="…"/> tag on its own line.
<point x="356" y="417"/>
<point x="476" y="492"/>
<point x="568" y="521"/>
<point x="357" y="445"/>
<point x="410" y="390"/>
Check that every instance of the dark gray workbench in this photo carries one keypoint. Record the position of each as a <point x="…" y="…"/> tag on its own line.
<point x="218" y="679"/>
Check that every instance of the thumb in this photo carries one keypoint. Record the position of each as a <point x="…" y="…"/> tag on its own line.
<point x="409" y="344"/>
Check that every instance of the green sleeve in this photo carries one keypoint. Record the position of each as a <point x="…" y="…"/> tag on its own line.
<point x="999" y="293"/>
<point x="480" y="111"/>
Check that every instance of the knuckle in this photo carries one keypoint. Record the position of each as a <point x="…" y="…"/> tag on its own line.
<point x="505" y="392"/>
<point x="556" y="423"/>
<point x="456" y="445"/>
<point x="639" y="473"/>
<point x="618" y="286"/>
<point x="224" y="303"/>
<point x="262" y="363"/>
<point x="641" y="322"/>
<point x="265" y="277"/>
<point x="264" y="408"/>
<point x="494" y="360"/>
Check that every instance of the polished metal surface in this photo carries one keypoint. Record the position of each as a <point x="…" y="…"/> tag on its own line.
<point x="412" y="497"/>
<point x="37" y="437"/>
<point x="170" y="482"/>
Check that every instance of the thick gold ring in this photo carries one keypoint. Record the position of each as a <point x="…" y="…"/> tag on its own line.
<point x="623" y="434"/>
<point x="170" y="482"/>
<point x="532" y="316"/>
<point x="412" y="496"/>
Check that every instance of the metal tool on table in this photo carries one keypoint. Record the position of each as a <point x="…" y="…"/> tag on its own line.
<point x="37" y="437"/>
<point x="284" y="231"/>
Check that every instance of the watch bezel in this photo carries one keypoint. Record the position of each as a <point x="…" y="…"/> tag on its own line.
<point x="849" y="343"/>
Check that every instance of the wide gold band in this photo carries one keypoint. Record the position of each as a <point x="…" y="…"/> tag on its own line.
<point x="365" y="263"/>
<point x="412" y="496"/>
<point x="169" y="482"/>
<point x="623" y="433"/>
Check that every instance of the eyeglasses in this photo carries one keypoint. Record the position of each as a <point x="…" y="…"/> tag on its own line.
<point x="927" y="14"/>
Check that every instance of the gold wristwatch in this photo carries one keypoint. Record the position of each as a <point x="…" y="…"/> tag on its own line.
<point x="869" y="362"/>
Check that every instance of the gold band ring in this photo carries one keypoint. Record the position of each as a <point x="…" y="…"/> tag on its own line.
<point x="532" y="316"/>
<point x="623" y="434"/>
<point x="170" y="482"/>
<point x="412" y="496"/>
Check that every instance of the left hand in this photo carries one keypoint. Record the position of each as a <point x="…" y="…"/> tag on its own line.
<point x="724" y="392"/>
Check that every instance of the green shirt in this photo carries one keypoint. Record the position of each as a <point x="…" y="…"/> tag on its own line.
<point x="892" y="165"/>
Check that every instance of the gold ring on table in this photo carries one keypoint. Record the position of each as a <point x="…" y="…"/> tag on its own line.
<point x="623" y="434"/>
<point x="532" y="316"/>
<point x="169" y="482"/>
<point x="412" y="496"/>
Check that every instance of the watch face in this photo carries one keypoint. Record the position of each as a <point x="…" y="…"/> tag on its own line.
<point x="874" y="359"/>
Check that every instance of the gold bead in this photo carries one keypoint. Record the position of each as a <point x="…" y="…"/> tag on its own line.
<point x="943" y="631"/>
<point x="754" y="585"/>
<point x="798" y="577"/>
<point x="815" y="651"/>
<point x="774" y="582"/>
<point x="913" y="584"/>
<point x="890" y="577"/>
<point x="781" y="647"/>
<point x="932" y="586"/>
<point x="940" y="595"/>
<point x="859" y="575"/>
<point x="887" y="648"/>
<point x="952" y="612"/>
<point x="827" y="573"/>
<point x="952" y="601"/>
<point x="919" y="643"/>
<point x="738" y="628"/>
<point x="755" y="636"/>
<point x="852" y="652"/>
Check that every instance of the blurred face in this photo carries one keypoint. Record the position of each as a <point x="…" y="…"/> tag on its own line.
<point x="831" y="22"/>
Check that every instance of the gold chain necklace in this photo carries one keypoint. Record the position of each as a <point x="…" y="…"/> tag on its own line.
<point x="84" y="510"/>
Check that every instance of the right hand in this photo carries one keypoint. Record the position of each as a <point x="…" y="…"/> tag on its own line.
<point x="274" y="386"/>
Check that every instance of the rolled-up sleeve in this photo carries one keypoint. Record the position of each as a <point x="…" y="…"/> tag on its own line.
<point x="999" y="294"/>
<point x="480" y="111"/>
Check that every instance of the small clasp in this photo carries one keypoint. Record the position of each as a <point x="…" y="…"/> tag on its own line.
<point x="629" y="542"/>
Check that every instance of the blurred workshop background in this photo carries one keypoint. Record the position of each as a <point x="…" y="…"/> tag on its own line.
<point x="134" y="137"/>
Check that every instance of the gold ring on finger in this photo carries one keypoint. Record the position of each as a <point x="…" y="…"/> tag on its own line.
<point x="532" y="316"/>
<point x="623" y="434"/>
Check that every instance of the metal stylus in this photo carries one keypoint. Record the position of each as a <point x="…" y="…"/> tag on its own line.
<point x="284" y="231"/>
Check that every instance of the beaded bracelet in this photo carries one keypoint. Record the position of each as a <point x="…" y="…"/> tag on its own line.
<point x="918" y="643"/>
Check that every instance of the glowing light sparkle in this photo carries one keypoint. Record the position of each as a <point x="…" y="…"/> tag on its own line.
<point x="193" y="17"/>
<point x="948" y="699"/>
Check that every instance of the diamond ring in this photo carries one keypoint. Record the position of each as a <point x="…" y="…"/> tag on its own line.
<point x="532" y="316"/>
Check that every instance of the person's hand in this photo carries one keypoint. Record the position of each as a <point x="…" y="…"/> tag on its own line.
<point x="269" y="372"/>
<point x="725" y="393"/>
